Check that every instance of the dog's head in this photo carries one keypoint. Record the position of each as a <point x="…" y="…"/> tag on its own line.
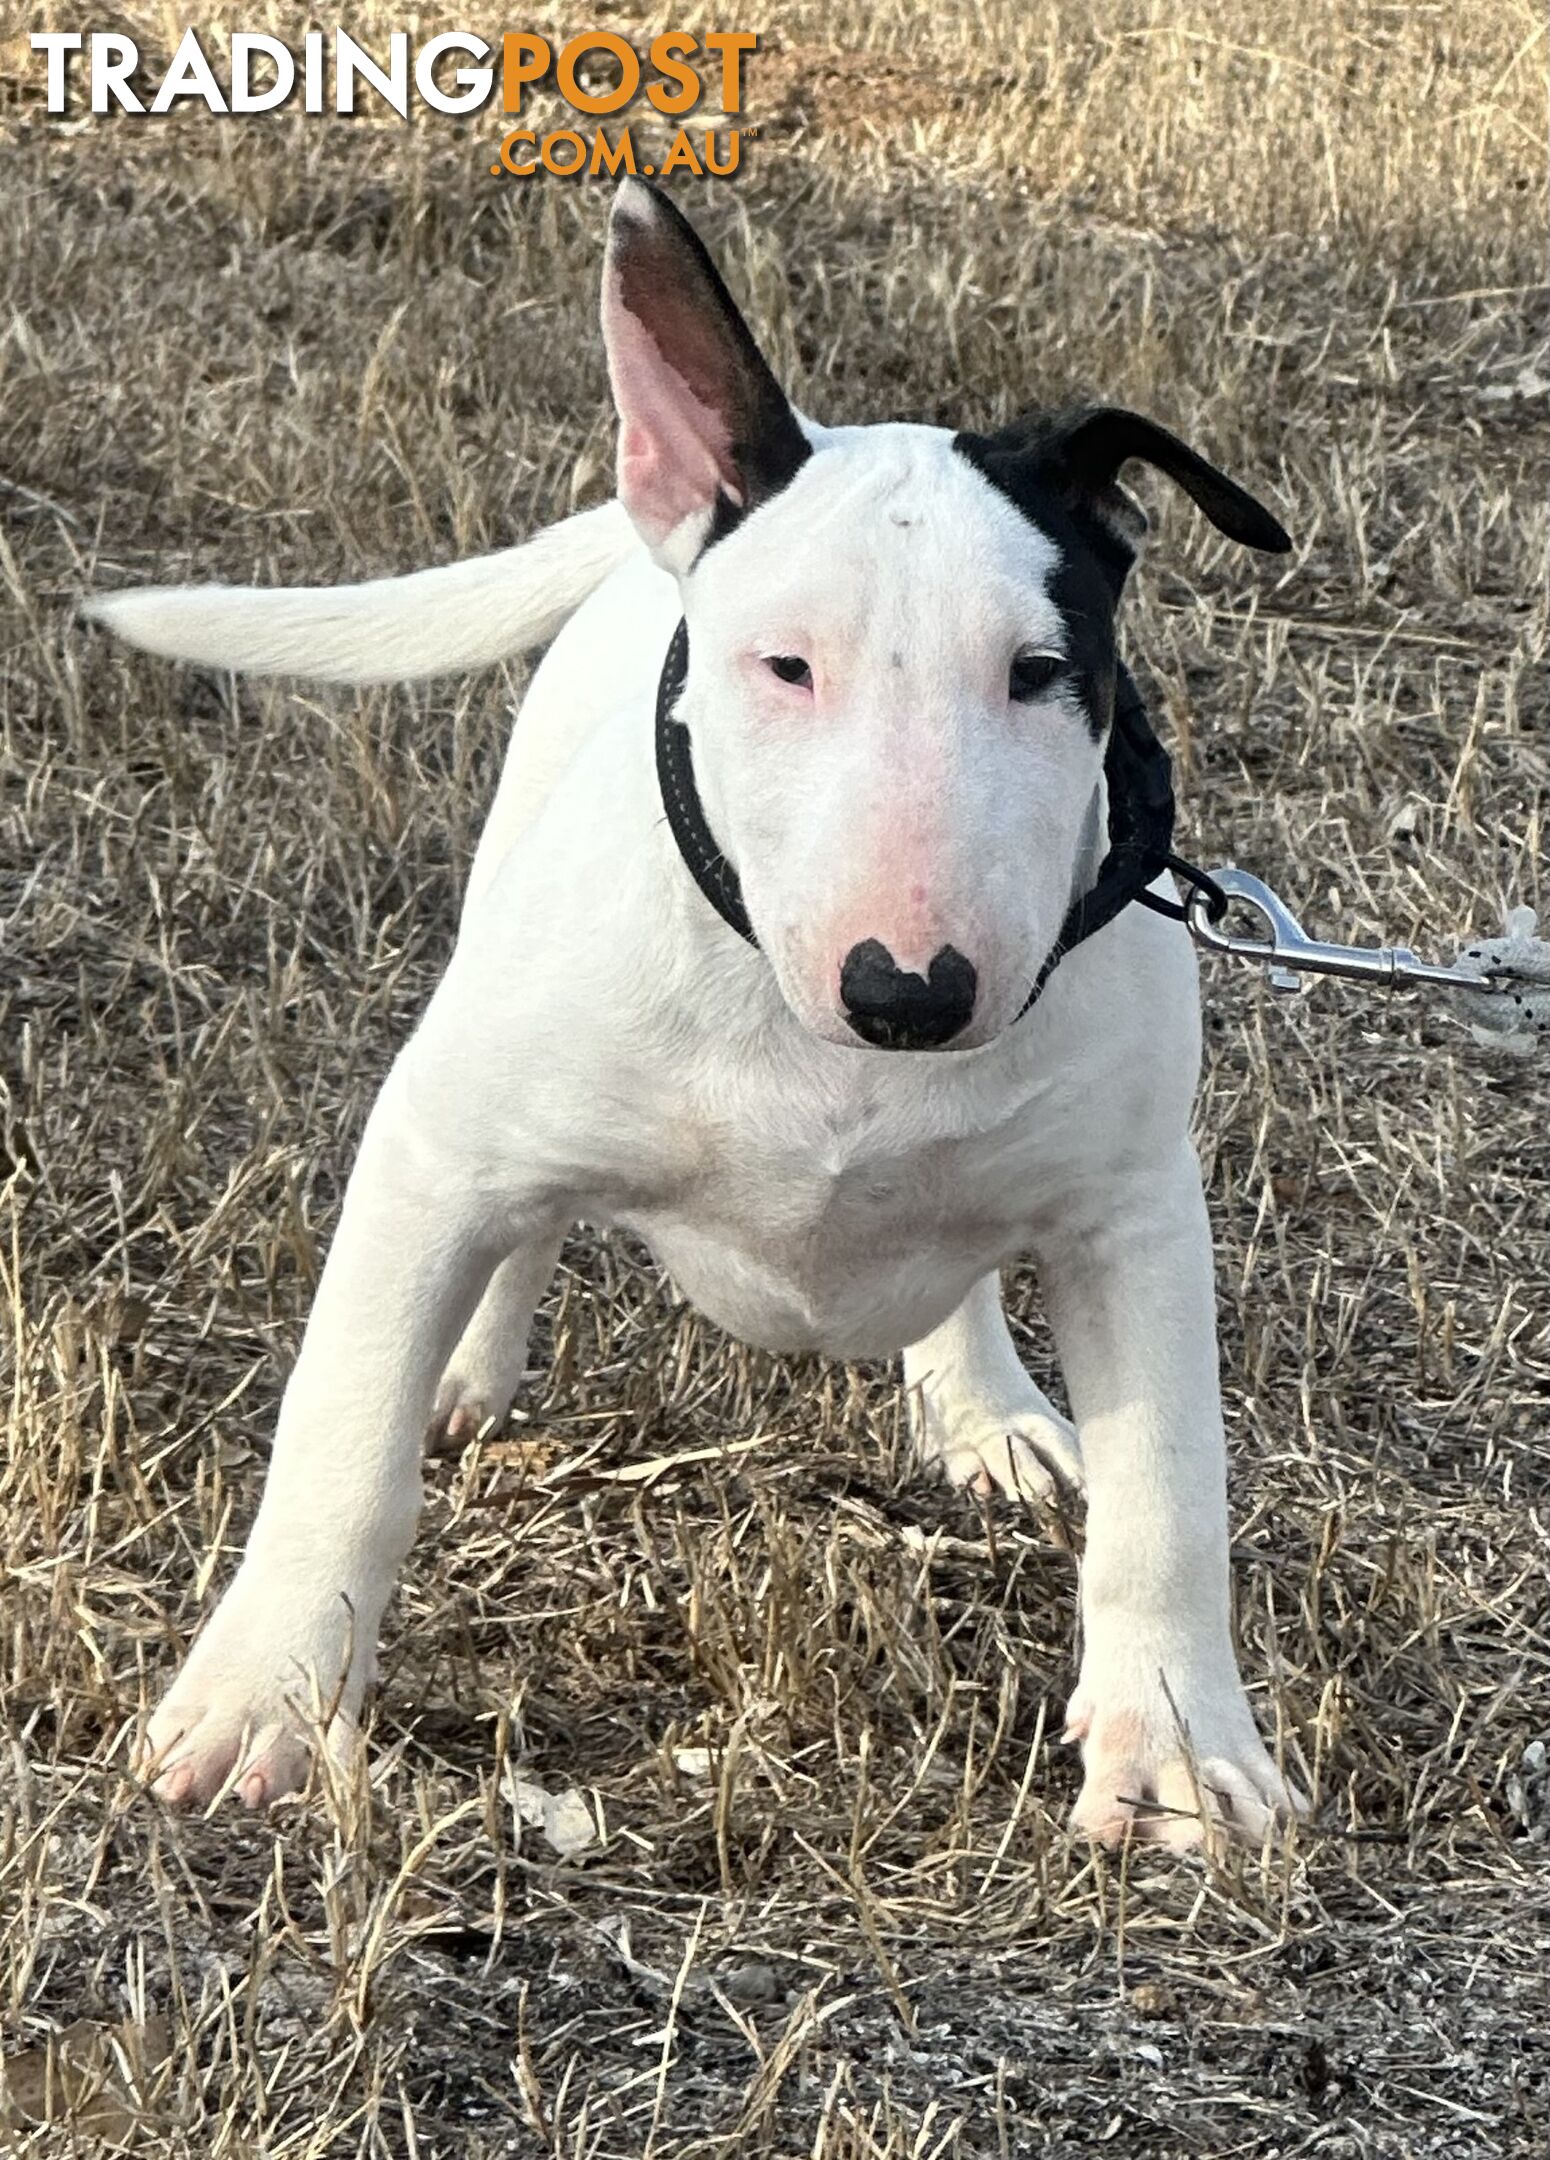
<point x="902" y="660"/>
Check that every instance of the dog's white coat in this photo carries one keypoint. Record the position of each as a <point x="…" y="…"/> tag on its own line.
<point x="602" y="1047"/>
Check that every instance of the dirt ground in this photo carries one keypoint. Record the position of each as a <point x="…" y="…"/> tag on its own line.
<point x="716" y="1803"/>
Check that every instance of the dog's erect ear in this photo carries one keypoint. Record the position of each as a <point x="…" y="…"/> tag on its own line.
<point x="706" y="433"/>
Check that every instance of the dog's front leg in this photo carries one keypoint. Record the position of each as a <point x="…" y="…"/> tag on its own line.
<point x="1159" y="1707"/>
<point x="291" y="1643"/>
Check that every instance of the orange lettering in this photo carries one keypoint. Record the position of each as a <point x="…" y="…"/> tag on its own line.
<point x="598" y="101"/>
<point x="524" y="58"/>
<point x="667" y="57"/>
<point x="731" y="44"/>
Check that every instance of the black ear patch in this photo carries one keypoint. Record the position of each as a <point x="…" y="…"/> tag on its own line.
<point x="668" y="283"/>
<point x="1071" y="465"/>
<point x="1090" y="449"/>
<point x="1094" y="556"/>
<point x="1109" y="531"/>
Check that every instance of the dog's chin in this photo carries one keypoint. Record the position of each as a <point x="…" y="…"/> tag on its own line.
<point x="833" y="1027"/>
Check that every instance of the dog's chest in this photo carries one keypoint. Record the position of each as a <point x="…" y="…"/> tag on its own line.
<point x="849" y="1218"/>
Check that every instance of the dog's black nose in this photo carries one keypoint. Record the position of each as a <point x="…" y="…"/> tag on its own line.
<point x="894" y="1010"/>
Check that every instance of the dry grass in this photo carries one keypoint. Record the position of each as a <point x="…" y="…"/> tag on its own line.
<point x="830" y="1907"/>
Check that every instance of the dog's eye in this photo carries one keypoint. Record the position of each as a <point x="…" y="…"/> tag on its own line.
<point x="1032" y="674"/>
<point x="791" y="668"/>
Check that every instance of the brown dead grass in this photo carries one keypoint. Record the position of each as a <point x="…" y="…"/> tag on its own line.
<point x="830" y="1907"/>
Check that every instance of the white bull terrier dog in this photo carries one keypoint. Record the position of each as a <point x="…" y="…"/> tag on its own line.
<point x="804" y="1033"/>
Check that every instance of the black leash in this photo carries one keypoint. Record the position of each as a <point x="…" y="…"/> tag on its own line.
<point x="1140" y="791"/>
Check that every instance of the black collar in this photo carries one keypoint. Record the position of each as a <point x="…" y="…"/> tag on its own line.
<point x="1135" y="766"/>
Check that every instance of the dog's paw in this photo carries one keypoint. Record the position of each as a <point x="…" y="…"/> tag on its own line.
<point x="1181" y="1772"/>
<point x="260" y="1686"/>
<point x="1029" y="1455"/>
<point x="477" y="1389"/>
<point x="461" y="1412"/>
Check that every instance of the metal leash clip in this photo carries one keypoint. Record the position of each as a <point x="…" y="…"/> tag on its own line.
<point x="1289" y="953"/>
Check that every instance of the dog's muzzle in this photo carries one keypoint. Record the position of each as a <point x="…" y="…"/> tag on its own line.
<point x="893" y="1009"/>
